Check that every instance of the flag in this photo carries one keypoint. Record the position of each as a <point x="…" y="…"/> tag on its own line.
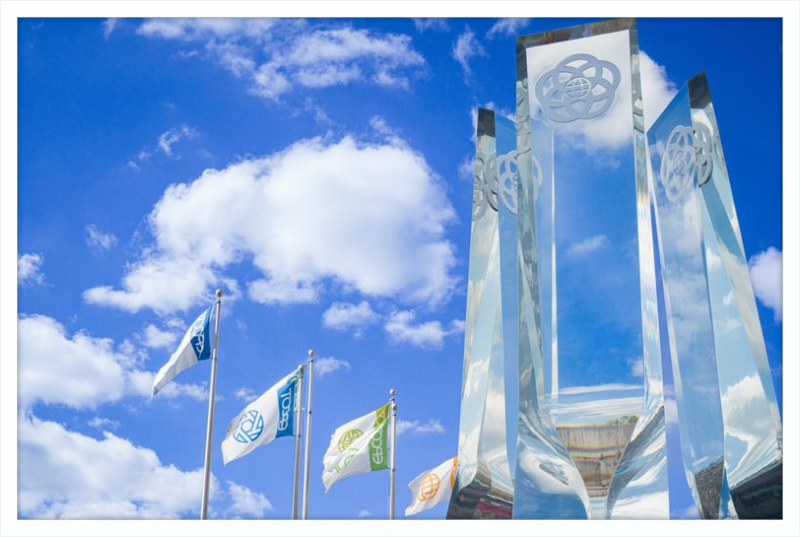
<point x="196" y="346"/>
<point x="432" y="487"/>
<point x="359" y="446"/>
<point x="271" y="416"/>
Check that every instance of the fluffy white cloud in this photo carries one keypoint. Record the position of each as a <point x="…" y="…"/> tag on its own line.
<point x="29" y="269"/>
<point x="657" y="89"/>
<point x="155" y="338"/>
<point x="275" y="55"/>
<point x="295" y="214"/>
<point x="344" y="316"/>
<point x="99" y="241"/>
<point x="465" y="48"/>
<point x="327" y="365"/>
<point x="400" y="328"/>
<point x="81" y="372"/>
<point x="507" y="27"/>
<point x="108" y="26"/>
<point x="766" y="273"/>
<point x="103" y="423"/>
<point x="587" y="246"/>
<point x="432" y="426"/>
<point x="246" y="503"/>
<point x="245" y="393"/>
<point x="64" y="474"/>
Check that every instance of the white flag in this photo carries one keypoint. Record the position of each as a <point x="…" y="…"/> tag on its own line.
<point x="196" y="346"/>
<point x="432" y="487"/>
<point x="271" y="416"/>
<point x="359" y="446"/>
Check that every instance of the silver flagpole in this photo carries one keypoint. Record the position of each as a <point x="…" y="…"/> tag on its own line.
<point x="308" y="433"/>
<point x="298" y="419"/>
<point x="393" y="406"/>
<point x="210" y="426"/>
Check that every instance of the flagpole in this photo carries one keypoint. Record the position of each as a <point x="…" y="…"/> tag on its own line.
<point x="298" y="419"/>
<point x="393" y="407"/>
<point x="308" y="433"/>
<point x="209" y="427"/>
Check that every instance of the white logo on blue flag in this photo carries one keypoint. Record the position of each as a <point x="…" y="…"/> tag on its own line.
<point x="286" y="410"/>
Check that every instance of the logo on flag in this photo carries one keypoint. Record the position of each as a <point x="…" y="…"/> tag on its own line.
<point x="432" y="487"/>
<point x="286" y="410"/>
<point x="192" y="349"/>
<point x="347" y="438"/>
<point x="249" y="428"/>
<point x="429" y="487"/>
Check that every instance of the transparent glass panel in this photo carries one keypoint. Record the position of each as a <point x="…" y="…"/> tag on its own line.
<point x="597" y="368"/>
<point x="729" y="420"/>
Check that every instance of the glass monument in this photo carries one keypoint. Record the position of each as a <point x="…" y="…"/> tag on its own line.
<point x="731" y="434"/>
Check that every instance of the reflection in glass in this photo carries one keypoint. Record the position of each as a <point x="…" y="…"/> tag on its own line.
<point x="591" y="423"/>
<point x="730" y="428"/>
<point x="486" y="443"/>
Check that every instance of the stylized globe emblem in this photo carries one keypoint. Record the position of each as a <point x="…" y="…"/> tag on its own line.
<point x="507" y="180"/>
<point x="577" y="87"/>
<point x="249" y="428"/>
<point x="484" y="188"/>
<point x="347" y="438"/>
<point x="429" y="487"/>
<point x="678" y="163"/>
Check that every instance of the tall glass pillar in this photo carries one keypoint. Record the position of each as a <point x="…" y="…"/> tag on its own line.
<point x="591" y="411"/>
<point x="730" y="427"/>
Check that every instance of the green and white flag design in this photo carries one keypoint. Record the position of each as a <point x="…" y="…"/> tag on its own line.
<point x="359" y="446"/>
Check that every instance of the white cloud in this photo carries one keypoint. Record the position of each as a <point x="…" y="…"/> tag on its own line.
<point x="400" y="328"/>
<point x="432" y="426"/>
<point x="431" y="24"/>
<point x="29" y="269"/>
<point x="465" y="48"/>
<point x="364" y="514"/>
<point x="325" y="366"/>
<point x="81" y="372"/>
<point x="587" y="246"/>
<point x="247" y="503"/>
<point x="64" y="474"/>
<point x="466" y="168"/>
<point x="766" y="273"/>
<point x="155" y="338"/>
<point x="173" y="136"/>
<point x="344" y="316"/>
<point x="108" y="26"/>
<point x="99" y="241"/>
<point x="245" y="394"/>
<point x="295" y="214"/>
<point x="276" y="55"/>
<point x="637" y="366"/>
<point x="657" y="89"/>
<point x="507" y="27"/>
<point x="103" y="423"/>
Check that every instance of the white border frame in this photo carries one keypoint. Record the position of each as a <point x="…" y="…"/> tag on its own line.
<point x="11" y="10"/>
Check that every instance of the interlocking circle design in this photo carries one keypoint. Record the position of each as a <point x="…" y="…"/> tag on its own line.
<point x="507" y="180"/>
<point x="484" y="188"/>
<point x="429" y="487"/>
<point x="688" y="152"/>
<point x="347" y="438"/>
<point x="249" y="428"/>
<point x="579" y="87"/>
<point x="704" y="153"/>
<point x="537" y="176"/>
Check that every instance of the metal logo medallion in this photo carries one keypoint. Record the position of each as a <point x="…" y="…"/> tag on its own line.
<point x="507" y="180"/>
<point x="484" y="188"/>
<point x="688" y="152"/>
<point x="579" y="87"/>
<point x="249" y="428"/>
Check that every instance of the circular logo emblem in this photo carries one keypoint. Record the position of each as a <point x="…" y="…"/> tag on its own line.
<point x="429" y="487"/>
<point x="688" y="152"/>
<point x="347" y="438"/>
<point x="484" y="187"/>
<point x="579" y="87"/>
<point x="249" y="428"/>
<point x="507" y="180"/>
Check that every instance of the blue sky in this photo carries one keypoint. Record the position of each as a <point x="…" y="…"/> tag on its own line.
<point x="318" y="171"/>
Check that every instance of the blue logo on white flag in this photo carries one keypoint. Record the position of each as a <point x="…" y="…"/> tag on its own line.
<point x="286" y="397"/>
<point x="200" y="339"/>
<point x="249" y="428"/>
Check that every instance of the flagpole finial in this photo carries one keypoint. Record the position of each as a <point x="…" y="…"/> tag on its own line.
<point x="219" y="293"/>
<point x="311" y="353"/>
<point x="392" y="392"/>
